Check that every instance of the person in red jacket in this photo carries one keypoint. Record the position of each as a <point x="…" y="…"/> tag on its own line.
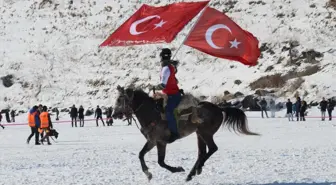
<point x="169" y="86"/>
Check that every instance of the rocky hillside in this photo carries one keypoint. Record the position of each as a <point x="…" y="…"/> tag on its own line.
<point x="49" y="52"/>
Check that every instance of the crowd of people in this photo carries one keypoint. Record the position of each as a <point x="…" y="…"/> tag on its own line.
<point x="78" y="114"/>
<point x="299" y="108"/>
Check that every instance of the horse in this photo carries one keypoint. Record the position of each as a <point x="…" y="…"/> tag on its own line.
<point x="155" y="129"/>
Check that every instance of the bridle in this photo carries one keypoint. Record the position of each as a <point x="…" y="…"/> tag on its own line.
<point x="127" y="105"/>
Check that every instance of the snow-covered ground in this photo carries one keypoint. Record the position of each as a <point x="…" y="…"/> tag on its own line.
<point x="287" y="153"/>
<point x="52" y="51"/>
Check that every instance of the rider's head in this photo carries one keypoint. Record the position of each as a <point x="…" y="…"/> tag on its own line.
<point x="165" y="54"/>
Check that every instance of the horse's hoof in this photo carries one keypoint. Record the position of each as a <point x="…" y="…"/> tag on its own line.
<point x="149" y="175"/>
<point x="188" y="178"/>
<point x="199" y="171"/>
<point x="180" y="169"/>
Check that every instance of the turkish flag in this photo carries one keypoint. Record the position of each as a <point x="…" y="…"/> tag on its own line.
<point x="151" y="24"/>
<point x="217" y="35"/>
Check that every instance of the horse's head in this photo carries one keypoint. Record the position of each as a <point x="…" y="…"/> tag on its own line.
<point x="123" y="104"/>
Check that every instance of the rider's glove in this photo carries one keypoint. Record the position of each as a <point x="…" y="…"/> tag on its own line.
<point x="160" y="87"/>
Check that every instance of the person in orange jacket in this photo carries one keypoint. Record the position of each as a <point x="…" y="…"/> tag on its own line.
<point x="46" y="124"/>
<point x="34" y="124"/>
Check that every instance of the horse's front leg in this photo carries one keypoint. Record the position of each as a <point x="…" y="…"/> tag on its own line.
<point x="161" y="148"/>
<point x="148" y="146"/>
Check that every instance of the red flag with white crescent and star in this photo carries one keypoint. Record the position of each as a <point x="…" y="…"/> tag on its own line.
<point x="150" y="25"/>
<point x="219" y="36"/>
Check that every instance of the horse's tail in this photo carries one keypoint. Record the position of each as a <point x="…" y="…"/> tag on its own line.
<point x="235" y="119"/>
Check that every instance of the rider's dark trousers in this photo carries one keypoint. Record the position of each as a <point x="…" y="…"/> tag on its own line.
<point x="172" y="103"/>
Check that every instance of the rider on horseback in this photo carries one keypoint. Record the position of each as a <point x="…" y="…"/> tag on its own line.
<point x="169" y="86"/>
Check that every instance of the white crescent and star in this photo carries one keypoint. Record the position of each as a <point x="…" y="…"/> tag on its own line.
<point x="212" y="29"/>
<point x="133" y="27"/>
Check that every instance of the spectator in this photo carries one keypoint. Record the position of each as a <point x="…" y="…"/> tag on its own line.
<point x="7" y="116"/>
<point x="294" y="109"/>
<point x="289" y="106"/>
<point x="98" y="115"/>
<point x="303" y="110"/>
<point x="13" y="115"/>
<point x="323" y="107"/>
<point x="272" y="108"/>
<point x="73" y="115"/>
<point x="330" y="108"/>
<point x="57" y="114"/>
<point x="0" y="121"/>
<point x="263" y="106"/>
<point x="109" y="112"/>
<point x="298" y="108"/>
<point x="81" y="116"/>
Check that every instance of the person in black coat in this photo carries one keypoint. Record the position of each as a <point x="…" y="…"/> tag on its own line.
<point x="13" y="115"/>
<point x="109" y="112"/>
<point x="0" y="121"/>
<point x="330" y="108"/>
<point x="73" y="115"/>
<point x="263" y="106"/>
<point x="7" y="116"/>
<point x="81" y="116"/>
<point x="323" y="107"/>
<point x="289" y="106"/>
<point x="303" y="110"/>
<point x="99" y="115"/>
<point x="298" y="107"/>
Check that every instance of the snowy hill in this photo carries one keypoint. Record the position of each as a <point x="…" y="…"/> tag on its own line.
<point x="50" y="52"/>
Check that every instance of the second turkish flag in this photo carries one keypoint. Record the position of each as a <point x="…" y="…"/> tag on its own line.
<point x="217" y="35"/>
<point x="151" y="25"/>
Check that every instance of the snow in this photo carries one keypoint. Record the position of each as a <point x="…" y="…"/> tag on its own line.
<point x="54" y="57"/>
<point x="287" y="153"/>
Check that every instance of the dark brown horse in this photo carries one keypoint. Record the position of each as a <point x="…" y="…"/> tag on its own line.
<point x="155" y="129"/>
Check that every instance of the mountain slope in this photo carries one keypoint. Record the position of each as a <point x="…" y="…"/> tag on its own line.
<point x="52" y="52"/>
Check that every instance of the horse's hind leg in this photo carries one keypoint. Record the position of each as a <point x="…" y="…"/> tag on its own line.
<point x="208" y="139"/>
<point x="161" y="148"/>
<point x="201" y="153"/>
<point x="148" y="146"/>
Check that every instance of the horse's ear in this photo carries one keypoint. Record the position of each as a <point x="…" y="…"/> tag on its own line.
<point x="129" y="93"/>
<point x="120" y="89"/>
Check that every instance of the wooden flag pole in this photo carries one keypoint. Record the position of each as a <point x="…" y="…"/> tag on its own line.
<point x="192" y="28"/>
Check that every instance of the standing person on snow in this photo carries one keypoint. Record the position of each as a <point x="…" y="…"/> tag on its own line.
<point x="263" y="106"/>
<point x="81" y="116"/>
<point x="330" y="108"/>
<point x="294" y="108"/>
<point x="272" y="108"/>
<point x="169" y="86"/>
<point x="303" y="110"/>
<point x="323" y="107"/>
<point x="57" y="114"/>
<point x="34" y="124"/>
<point x="298" y="107"/>
<point x="109" y="112"/>
<point x="99" y="115"/>
<point x="46" y="124"/>
<point x="0" y="121"/>
<point x="13" y="115"/>
<point x="73" y="115"/>
<point x="289" y="106"/>
<point x="7" y="116"/>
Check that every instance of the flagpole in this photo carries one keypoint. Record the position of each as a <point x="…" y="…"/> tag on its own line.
<point x="192" y="28"/>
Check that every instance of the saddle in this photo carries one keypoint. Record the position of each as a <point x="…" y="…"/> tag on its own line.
<point x="186" y="108"/>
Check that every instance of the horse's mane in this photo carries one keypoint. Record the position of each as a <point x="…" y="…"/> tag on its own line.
<point x="140" y="93"/>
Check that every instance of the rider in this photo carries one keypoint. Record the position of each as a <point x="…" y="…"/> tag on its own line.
<point x="169" y="86"/>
